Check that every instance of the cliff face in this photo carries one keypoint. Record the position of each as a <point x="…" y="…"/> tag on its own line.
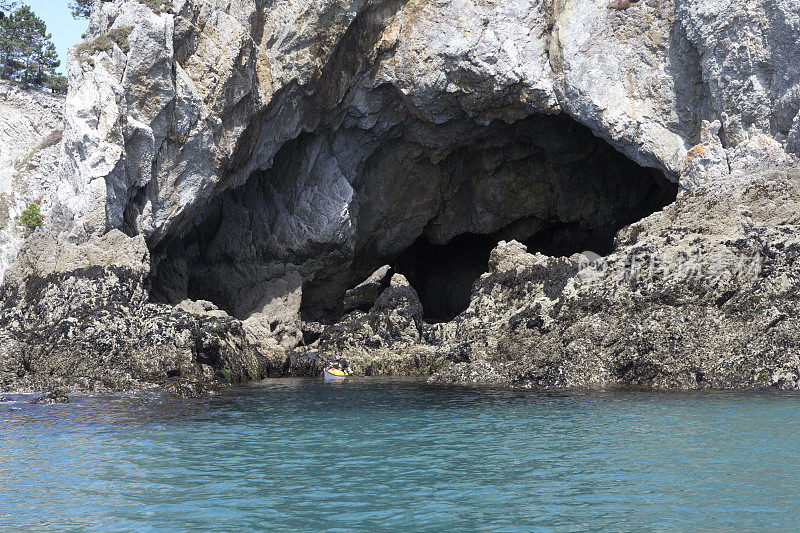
<point x="31" y="125"/>
<point x="254" y="141"/>
<point x="273" y="154"/>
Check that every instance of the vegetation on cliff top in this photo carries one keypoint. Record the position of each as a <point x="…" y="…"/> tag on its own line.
<point x="105" y="42"/>
<point x="27" y="53"/>
<point x="83" y="8"/>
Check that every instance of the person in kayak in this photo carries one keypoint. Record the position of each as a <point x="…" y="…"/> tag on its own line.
<point x="339" y="362"/>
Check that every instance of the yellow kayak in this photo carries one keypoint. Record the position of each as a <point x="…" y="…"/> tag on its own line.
<point x="334" y="374"/>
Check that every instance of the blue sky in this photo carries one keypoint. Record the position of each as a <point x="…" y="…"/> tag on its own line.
<point x="66" y="30"/>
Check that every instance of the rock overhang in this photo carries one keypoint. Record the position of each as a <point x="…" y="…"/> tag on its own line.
<point x="305" y="107"/>
<point x="334" y="209"/>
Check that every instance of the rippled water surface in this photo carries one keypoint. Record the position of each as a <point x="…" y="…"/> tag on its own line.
<point x="384" y="454"/>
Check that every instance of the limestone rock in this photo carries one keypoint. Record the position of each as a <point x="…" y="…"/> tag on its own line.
<point x="398" y="312"/>
<point x="31" y="129"/>
<point x="363" y="295"/>
<point x="277" y="314"/>
<point x="44" y="255"/>
<point x="271" y="155"/>
<point x="327" y="138"/>
<point x="707" y="161"/>
<point x="510" y="256"/>
<point x="202" y="308"/>
<point x="52" y="397"/>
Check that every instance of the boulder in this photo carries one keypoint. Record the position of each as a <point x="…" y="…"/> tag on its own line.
<point x="363" y="295"/>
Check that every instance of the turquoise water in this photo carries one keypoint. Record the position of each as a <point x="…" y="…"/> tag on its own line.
<point x="375" y="454"/>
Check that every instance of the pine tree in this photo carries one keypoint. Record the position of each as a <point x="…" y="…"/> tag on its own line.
<point x="30" y="219"/>
<point x="57" y="83"/>
<point x="81" y="9"/>
<point x="27" y="53"/>
<point x="34" y="38"/>
<point x="45" y="61"/>
<point x="10" y="45"/>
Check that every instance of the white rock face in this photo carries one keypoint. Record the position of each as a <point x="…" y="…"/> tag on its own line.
<point x="325" y="137"/>
<point x="31" y="127"/>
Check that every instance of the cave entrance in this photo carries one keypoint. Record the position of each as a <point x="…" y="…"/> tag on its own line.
<point x="336" y="205"/>
<point x="443" y="275"/>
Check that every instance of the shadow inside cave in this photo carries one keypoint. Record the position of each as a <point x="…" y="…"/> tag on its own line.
<point x="335" y="207"/>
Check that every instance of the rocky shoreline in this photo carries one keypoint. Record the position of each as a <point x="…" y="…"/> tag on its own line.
<point x="702" y="295"/>
<point x="416" y="185"/>
<point x="77" y="319"/>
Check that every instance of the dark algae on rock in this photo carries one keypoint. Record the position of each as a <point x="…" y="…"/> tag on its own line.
<point x="701" y="295"/>
<point x="233" y="186"/>
<point x="77" y="318"/>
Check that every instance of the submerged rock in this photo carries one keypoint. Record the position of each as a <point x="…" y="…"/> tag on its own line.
<point x="52" y="397"/>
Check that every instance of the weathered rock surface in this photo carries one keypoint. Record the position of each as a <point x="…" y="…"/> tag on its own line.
<point x="246" y="140"/>
<point x="77" y="318"/>
<point x="52" y="397"/>
<point x="701" y="295"/>
<point x="31" y="128"/>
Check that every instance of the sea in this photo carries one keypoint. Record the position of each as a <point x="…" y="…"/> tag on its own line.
<point x="399" y="454"/>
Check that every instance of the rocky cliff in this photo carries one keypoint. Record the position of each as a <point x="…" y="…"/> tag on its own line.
<point x="272" y="155"/>
<point x="31" y="127"/>
<point x="252" y="141"/>
<point x="701" y="295"/>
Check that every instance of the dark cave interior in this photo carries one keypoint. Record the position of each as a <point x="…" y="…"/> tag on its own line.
<point x="443" y="275"/>
<point x="546" y="181"/>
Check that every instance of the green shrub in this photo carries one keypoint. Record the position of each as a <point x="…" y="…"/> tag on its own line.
<point x="105" y="43"/>
<point x="31" y="218"/>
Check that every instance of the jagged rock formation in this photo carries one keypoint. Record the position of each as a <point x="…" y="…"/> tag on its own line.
<point x="77" y="318"/>
<point x="251" y="141"/>
<point x="700" y="295"/>
<point x="31" y="127"/>
<point x="364" y="295"/>
<point x="274" y="154"/>
<point x="387" y="339"/>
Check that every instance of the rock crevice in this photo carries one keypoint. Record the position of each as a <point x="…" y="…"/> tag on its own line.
<point x="272" y="155"/>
